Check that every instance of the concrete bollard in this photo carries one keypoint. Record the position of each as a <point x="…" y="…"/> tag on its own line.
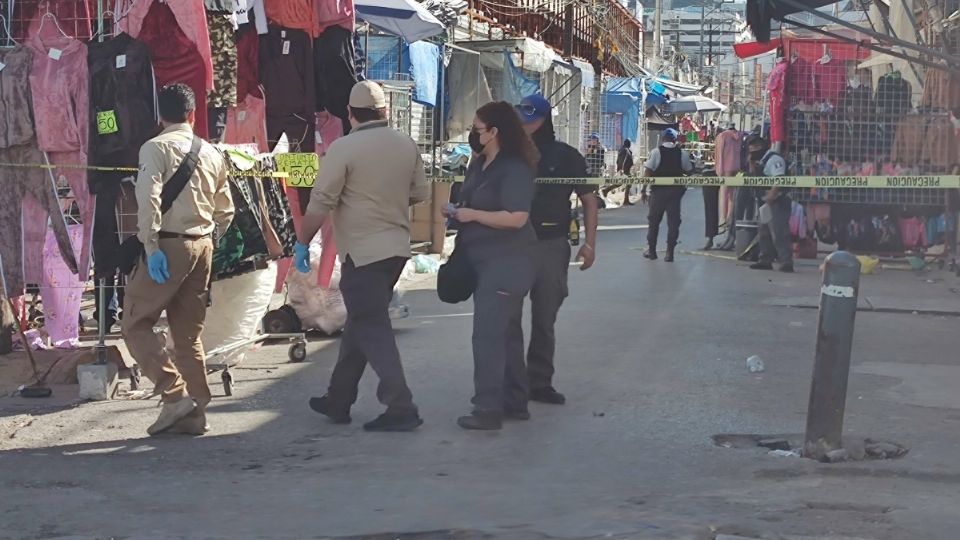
<point x="831" y="370"/>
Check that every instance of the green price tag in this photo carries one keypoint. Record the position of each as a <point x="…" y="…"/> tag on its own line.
<point x="106" y="123"/>
<point x="301" y="168"/>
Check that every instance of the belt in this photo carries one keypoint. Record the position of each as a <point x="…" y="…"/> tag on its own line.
<point x="170" y="235"/>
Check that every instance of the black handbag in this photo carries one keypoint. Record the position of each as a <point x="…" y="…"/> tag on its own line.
<point x="131" y="249"/>
<point x="456" y="280"/>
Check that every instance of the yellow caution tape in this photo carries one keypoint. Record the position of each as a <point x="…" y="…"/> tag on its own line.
<point x="97" y="168"/>
<point x="813" y="182"/>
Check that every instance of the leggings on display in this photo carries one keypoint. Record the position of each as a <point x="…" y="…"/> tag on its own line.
<point x="19" y="184"/>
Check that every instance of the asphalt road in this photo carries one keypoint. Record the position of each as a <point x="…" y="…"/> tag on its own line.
<point x="652" y="359"/>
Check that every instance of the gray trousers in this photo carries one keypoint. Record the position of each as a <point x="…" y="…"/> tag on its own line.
<point x="774" y="231"/>
<point x="368" y="336"/>
<point x="499" y="373"/>
<point x="551" y="262"/>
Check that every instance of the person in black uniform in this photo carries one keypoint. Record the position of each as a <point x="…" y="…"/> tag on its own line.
<point x="499" y="242"/>
<point x="551" y="220"/>
<point x="668" y="160"/>
<point x="625" y="166"/>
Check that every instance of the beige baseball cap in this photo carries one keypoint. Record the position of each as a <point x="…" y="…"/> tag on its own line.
<point x="367" y="95"/>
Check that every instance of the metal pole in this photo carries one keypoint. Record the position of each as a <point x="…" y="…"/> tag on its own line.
<point x="703" y="10"/>
<point x="657" y="35"/>
<point x="831" y="369"/>
<point x="568" y="19"/>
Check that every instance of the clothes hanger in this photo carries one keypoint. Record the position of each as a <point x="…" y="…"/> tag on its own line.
<point x="826" y="58"/>
<point x="6" y="30"/>
<point x="43" y="19"/>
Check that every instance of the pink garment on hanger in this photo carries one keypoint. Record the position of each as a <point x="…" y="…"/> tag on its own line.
<point x="35" y="225"/>
<point x="913" y="232"/>
<point x="727" y="154"/>
<point x="334" y="13"/>
<point x="776" y="84"/>
<point x="61" y="292"/>
<point x="191" y="17"/>
<point x="247" y="123"/>
<point x="60" y="92"/>
<point x="329" y="128"/>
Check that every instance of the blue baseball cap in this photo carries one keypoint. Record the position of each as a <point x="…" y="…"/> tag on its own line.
<point x="595" y="136"/>
<point x="671" y="134"/>
<point x="533" y="108"/>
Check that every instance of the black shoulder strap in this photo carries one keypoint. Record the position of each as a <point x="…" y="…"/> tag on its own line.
<point x="180" y="178"/>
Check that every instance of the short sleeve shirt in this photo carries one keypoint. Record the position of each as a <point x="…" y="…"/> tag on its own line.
<point x="506" y="185"/>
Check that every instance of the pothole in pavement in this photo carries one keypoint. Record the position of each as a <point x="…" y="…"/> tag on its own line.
<point x="792" y="445"/>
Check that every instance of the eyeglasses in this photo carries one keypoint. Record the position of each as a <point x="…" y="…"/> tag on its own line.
<point x="526" y="110"/>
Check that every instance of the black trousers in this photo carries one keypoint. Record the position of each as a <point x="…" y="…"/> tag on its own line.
<point x="711" y="210"/>
<point x="368" y="336"/>
<point x="106" y="244"/>
<point x="552" y="260"/>
<point x="665" y="200"/>
<point x="774" y="236"/>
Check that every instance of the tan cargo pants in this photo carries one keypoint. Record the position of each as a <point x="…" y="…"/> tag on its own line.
<point x="184" y="297"/>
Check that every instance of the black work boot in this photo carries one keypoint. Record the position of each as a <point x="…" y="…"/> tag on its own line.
<point x="547" y="395"/>
<point x="787" y="268"/>
<point x="324" y="406"/>
<point x="650" y="253"/>
<point x="391" y="421"/>
<point x="669" y="255"/>
<point x="482" y="420"/>
<point x="761" y="266"/>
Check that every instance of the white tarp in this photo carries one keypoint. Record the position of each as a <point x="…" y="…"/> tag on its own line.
<point x="238" y="305"/>
<point x="404" y="18"/>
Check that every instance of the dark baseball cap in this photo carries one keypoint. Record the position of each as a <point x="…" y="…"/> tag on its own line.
<point x="533" y="108"/>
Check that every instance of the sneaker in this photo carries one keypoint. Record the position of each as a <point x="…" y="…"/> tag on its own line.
<point x="323" y="406"/>
<point x="650" y="254"/>
<point x="548" y="395"/>
<point x="761" y="266"/>
<point x="481" y="421"/>
<point x="170" y="414"/>
<point x="787" y="268"/>
<point x="516" y="414"/>
<point x="394" y="422"/>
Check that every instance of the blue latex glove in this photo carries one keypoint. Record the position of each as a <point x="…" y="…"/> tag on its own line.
<point x="157" y="265"/>
<point x="301" y="257"/>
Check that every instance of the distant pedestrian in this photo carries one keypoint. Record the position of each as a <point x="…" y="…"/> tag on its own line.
<point x="552" y="221"/>
<point x="368" y="181"/>
<point x="668" y="160"/>
<point x="596" y="156"/>
<point x="176" y="227"/>
<point x="499" y="242"/>
<point x="624" y="167"/>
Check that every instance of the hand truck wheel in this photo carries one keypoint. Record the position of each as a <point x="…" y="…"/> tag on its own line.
<point x="297" y="352"/>
<point x="227" y="379"/>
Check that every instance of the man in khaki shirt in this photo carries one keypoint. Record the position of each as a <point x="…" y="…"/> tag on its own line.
<point x="367" y="181"/>
<point x="175" y="272"/>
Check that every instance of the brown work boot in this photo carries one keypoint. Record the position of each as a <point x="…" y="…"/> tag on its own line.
<point x="194" y="423"/>
<point x="170" y="414"/>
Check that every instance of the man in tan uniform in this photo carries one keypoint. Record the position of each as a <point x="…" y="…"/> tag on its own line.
<point x="367" y="181"/>
<point x="175" y="273"/>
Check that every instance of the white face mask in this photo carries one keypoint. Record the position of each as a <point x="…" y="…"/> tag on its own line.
<point x="854" y="83"/>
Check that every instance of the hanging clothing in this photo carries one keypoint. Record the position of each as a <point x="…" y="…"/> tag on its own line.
<point x="287" y="72"/>
<point x="333" y="55"/>
<point x="830" y="79"/>
<point x="800" y="80"/>
<point x="19" y="145"/>
<point x="939" y="144"/>
<point x="35" y="227"/>
<point x="293" y="14"/>
<point x="334" y="13"/>
<point x="941" y="90"/>
<point x="243" y="240"/>
<point x="188" y="15"/>
<point x="727" y="153"/>
<point x="127" y="96"/>
<point x="248" y="64"/>
<point x="776" y="85"/>
<point x="61" y="291"/>
<point x="893" y="95"/>
<point x="224" y="50"/>
<point x="247" y="124"/>
<point x="251" y="10"/>
<point x="60" y="95"/>
<point x="329" y="129"/>
<point x="176" y="58"/>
